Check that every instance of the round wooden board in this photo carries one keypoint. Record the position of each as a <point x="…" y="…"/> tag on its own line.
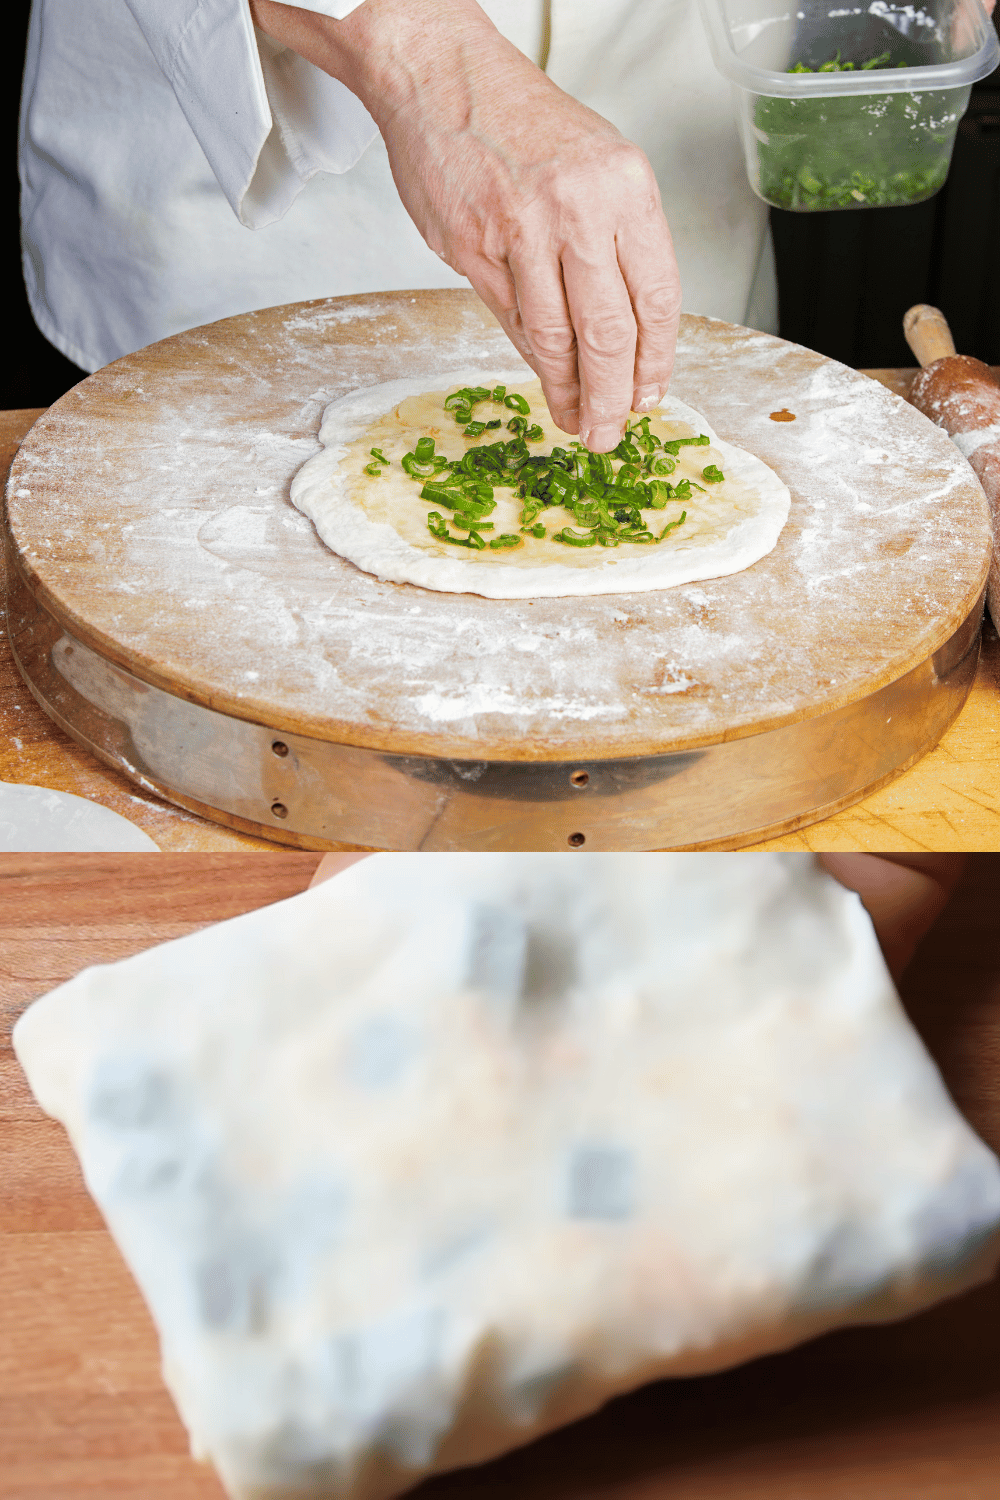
<point x="149" y="520"/>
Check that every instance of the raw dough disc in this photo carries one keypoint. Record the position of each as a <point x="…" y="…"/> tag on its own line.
<point x="38" y="820"/>
<point x="380" y="524"/>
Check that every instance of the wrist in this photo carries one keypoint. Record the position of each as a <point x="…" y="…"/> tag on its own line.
<point x="385" y="51"/>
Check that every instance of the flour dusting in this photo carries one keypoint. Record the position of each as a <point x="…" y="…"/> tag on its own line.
<point x="152" y="502"/>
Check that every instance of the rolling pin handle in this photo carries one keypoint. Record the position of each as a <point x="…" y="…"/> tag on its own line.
<point x="927" y="333"/>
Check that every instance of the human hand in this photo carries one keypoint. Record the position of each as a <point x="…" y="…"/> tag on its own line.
<point x="551" y="214"/>
<point x="904" y="894"/>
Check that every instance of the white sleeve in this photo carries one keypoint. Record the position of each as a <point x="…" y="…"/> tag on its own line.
<point x="266" y="119"/>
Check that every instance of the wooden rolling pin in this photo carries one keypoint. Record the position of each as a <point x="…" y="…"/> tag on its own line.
<point x="962" y="395"/>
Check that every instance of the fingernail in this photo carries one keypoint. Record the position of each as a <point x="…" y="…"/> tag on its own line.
<point x="647" y="397"/>
<point x="568" y="421"/>
<point x="603" y="439"/>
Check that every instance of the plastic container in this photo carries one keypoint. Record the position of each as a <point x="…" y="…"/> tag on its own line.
<point x="870" y="120"/>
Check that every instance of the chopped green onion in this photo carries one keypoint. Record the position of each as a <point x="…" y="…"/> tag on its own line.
<point x="606" y="502"/>
<point x="640" y="434"/>
<point x="418" y="468"/>
<point x="573" y="539"/>
<point x="373" y="469"/>
<point x="628" y="452"/>
<point x="468" y="511"/>
<point x="377" y="453"/>
<point x="437" y="525"/>
<point x="682" y="489"/>
<point x="469" y="395"/>
<point x="564" y="488"/>
<point x="443" y="494"/>
<point x="675" y="445"/>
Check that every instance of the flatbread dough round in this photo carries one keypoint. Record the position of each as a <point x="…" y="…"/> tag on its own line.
<point x="36" y="819"/>
<point x="380" y="523"/>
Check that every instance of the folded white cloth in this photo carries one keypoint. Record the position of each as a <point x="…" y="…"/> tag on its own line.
<point x="450" y="1150"/>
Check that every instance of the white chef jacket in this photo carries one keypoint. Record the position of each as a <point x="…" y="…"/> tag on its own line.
<point x="178" y="166"/>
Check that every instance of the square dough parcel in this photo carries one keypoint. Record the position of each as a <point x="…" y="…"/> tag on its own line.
<point x="452" y="1149"/>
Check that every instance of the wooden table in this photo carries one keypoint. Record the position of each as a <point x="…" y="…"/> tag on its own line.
<point x="907" y="1412"/>
<point x="949" y="801"/>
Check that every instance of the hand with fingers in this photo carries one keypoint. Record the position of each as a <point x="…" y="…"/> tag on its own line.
<point x="552" y="215"/>
<point x="904" y="894"/>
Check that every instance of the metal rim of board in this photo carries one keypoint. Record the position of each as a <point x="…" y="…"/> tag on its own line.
<point x="312" y="793"/>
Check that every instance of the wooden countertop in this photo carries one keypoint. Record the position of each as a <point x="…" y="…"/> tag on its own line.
<point x="904" y="1412"/>
<point x="950" y="800"/>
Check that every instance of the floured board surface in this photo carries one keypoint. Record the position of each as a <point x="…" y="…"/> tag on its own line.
<point x="149" y="514"/>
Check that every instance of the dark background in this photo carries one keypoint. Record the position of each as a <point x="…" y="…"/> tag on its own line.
<point x="845" y="279"/>
<point x="33" y="372"/>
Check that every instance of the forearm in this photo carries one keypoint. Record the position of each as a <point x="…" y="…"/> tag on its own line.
<point x="388" y="52"/>
<point x="554" y="218"/>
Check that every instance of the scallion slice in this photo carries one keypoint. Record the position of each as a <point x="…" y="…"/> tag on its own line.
<point x="574" y="539"/>
<point x="675" y="445"/>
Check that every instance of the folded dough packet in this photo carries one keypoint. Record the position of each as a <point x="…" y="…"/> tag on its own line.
<point x="452" y="1149"/>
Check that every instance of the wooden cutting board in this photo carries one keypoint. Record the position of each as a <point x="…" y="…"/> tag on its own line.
<point x="949" y="800"/>
<point x="907" y="1412"/>
<point x="174" y="612"/>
